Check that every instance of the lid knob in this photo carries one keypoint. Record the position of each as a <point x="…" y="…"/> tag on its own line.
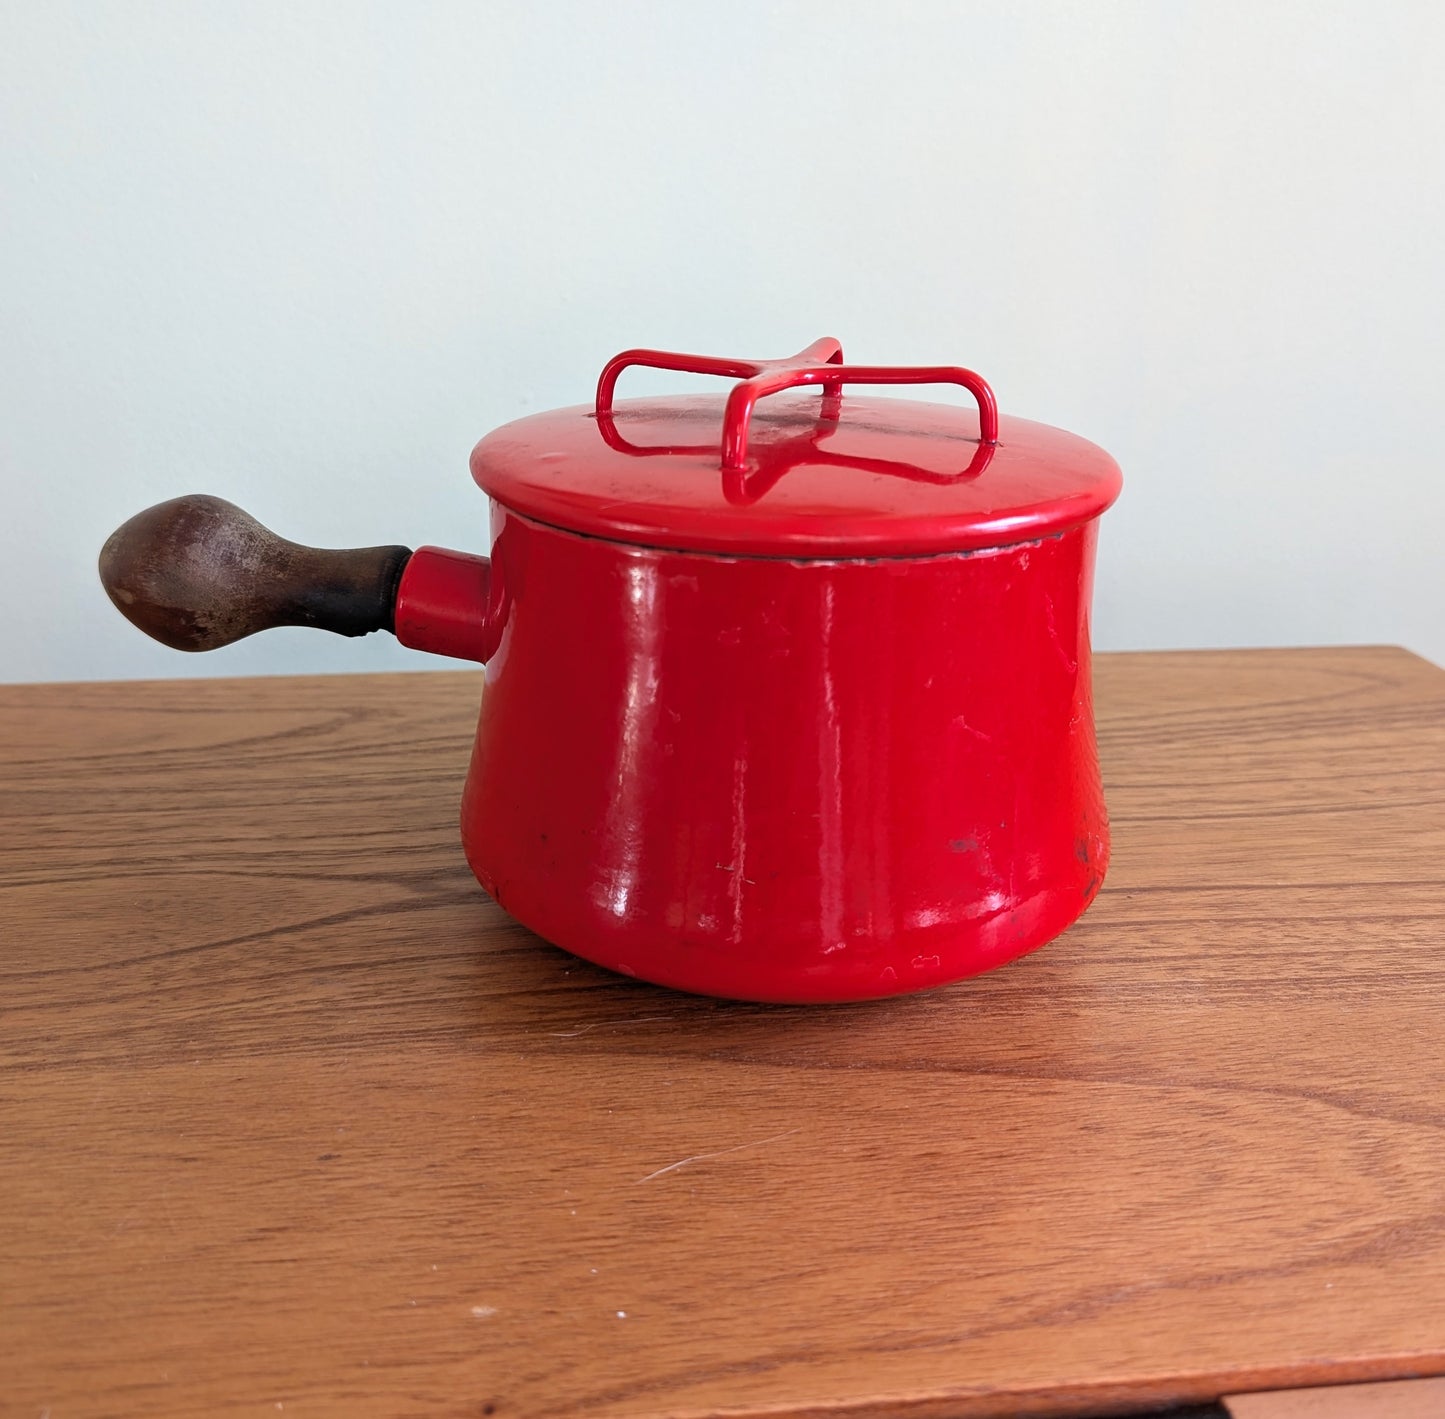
<point x="820" y="363"/>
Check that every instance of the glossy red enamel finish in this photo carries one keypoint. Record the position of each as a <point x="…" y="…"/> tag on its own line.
<point x="774" y="470"/>
<point x="785" y="781"/>
<point x="788" y="697"/>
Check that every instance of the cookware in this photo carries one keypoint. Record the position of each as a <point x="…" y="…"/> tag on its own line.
<point x="785" y="700"/>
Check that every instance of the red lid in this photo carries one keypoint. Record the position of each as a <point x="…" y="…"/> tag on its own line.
<point x="799" y="476"/>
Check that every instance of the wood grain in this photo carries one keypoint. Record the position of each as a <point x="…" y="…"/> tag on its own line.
<point x="294" y="1120"/>
<point x="1396" y="1399"/>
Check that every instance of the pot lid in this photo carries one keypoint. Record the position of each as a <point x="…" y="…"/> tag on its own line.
<point x="772" y="469"/>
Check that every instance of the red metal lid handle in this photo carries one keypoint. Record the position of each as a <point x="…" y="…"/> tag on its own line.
<point x="825" y="351"/>
<point x="821" y="363"/>
<point x="739" y="411"/>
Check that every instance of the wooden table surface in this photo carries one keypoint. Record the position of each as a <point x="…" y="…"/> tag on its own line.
<point x="294" y="1120"/>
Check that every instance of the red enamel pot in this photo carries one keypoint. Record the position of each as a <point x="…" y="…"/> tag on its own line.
<point x="785" y="701"/>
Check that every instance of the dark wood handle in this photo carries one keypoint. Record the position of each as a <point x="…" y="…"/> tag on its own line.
<point x="197" y="572"/>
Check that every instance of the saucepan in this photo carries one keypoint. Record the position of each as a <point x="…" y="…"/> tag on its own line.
<point x="787" y="691"/>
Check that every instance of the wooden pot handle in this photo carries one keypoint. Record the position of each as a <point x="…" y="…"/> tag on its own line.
<point x="197" y="573"/>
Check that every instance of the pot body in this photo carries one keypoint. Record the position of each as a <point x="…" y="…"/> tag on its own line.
<point x="787" y="780"/>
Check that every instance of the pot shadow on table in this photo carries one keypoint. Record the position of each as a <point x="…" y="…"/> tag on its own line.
<point x="522" y="989"/>
<point x="230" y="960"/>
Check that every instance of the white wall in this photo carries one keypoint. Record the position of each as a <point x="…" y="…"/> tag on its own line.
<point x="304" y="254"/>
